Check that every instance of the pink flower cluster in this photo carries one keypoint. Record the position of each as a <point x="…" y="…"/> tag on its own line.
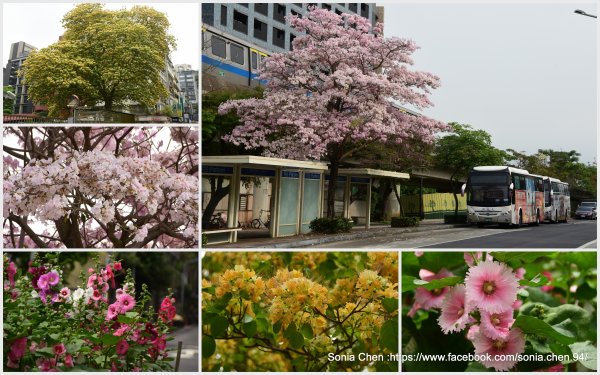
<point x="489" y="293"/>
<point x="44" y="283"/>
<point x="19" y="348"/>
<point x="167" y="309"/>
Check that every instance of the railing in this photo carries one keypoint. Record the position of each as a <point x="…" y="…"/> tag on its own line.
<point x="31" y="119"/>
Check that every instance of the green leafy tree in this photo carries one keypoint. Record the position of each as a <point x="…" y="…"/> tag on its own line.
<point x="9" y="101"/>
<point x="104" y="55"/>
<point x="464" y="149"/>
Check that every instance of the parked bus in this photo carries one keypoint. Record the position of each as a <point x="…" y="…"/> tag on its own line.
<point x="558" y="203"/>
<point x="512" y="196"/>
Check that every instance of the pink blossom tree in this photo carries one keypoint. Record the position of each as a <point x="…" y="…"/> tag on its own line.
<point x="118" y="187"/>
<point x="333" y="95"/>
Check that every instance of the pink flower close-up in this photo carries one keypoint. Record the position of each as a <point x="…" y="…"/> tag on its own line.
<point x="43" y="283"/>
<point x="455" y="310"/>
<point x="513" y="344"/>
<point x="491" y="286"/>
<point x="113" y="311"/>
<point x="122" y="347"/>
<point x="69" y="360"/>
<point x="65" y="292"/>
<point x="428" y="299"/>
<point x="19" y="347"/>
<point x="497" y="325"/>
<point x="59" y="349"/>
<point x="52" y="278"/>
<point x="126" y="302"/>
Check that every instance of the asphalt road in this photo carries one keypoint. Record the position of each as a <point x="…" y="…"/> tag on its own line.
<point x="189" y="353"/>
<point x="573" y="234"/>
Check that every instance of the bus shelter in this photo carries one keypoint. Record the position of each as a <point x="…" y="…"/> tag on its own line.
<point x="239" y="191"/>
<point x="353" y="192"/>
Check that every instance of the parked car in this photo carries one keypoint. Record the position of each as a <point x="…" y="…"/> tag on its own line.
<point x="589" y="203"/>
<point x="585" y="212"/>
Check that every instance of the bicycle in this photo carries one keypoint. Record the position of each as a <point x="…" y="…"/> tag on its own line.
<point x="217" y="221"/>
<point x="256" y="223"/>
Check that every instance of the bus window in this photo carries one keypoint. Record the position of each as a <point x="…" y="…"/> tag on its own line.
<point x="547" y="199"/>
<point x="218" y="47"/>
<point x="555" y="188"/>
<point x="539" y="184"/>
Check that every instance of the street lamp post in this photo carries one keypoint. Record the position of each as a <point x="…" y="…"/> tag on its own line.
<point x="581" y="12"/>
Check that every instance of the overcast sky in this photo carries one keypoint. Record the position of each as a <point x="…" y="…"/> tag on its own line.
<point x="39" y="24"/>
<point x="525" y="73"/>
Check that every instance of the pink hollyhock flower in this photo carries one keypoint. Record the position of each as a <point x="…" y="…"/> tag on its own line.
<point x="18" y="348"/>
<point x="46" y="364"/>
<point x="92" y="280"/>
<point x="547" y="288"/>
<point x="126" y="301"/>
<point x="113" y="311"/>
<point x="472" y="332"/>
<point x="117" y="266"/>
<point x="69" y="361"/>
<point x="59" y="349"/>
<point x="497" y="325"/>
<point x="520" y="273"/>
<point x="517" y="304"/>
<point x="491" y="286"/>
<point x="53" y="278"/>
<point x="160" y="343"/>
<point x="65" y="292"/>
<point x="419" y="253"/>
<point x="428" y="299"/>
<point x="513" y="344"/>
<point x="90" y="270"/>
<point x="122" y="347"/>
<point x="113" y="367"/>
<point x="470" y="260"/>
<point x="12" y="271"/>
<point x="166" y="302"/>
<point x="43" y="283"/>
<point x="122" y="329"/>
<point x="96" y="295"/>
<point x="11" y="362"/>
<point x="455" y="310"/>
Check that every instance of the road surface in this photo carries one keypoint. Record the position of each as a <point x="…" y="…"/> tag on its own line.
<point x="574" y="234"/>
<point x="189" y="354"/>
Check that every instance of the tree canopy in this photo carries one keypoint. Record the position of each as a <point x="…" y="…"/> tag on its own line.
<point x="333" y="94"/>
<point x="103" y="56"/>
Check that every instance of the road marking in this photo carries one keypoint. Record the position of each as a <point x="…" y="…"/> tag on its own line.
<point x="482" y="235"/>
<point x="587" y="245"/>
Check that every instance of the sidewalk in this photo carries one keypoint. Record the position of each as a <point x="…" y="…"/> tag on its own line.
<point x="358" y="232"/>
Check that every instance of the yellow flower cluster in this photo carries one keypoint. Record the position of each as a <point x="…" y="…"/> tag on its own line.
<point x="369" y="284"/>
<point x="296" y="294"/>
<point x="362" y="319"/>
<point x="343" y="291"/>
<point x="386" y="264"/>
<point x="240" y="280"/>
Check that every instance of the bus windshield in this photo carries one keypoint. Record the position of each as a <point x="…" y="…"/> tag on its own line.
<point x="488" y="189"/>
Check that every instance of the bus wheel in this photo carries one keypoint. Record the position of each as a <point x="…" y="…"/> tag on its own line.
<point x="480" y="225"/>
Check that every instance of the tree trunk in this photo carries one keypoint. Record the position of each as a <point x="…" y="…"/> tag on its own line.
<point x="108" y="103"/>
<point x="398" y="197"/>
<point x="218" y="193"/>
<point x="334" y="166"/>
<point x="68" y="231"/>
<point x="453" y="187"/>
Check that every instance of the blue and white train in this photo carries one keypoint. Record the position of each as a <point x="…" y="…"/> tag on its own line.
<point x="227" y="60"/>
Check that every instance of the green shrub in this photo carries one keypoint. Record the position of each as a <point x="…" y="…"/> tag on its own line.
<point x="460" y="218"/>
<point x="405" y="221"/>
<point x="331" y="225"/>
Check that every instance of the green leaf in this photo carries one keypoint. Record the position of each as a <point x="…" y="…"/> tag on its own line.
<point x="562" y="350"/>
<point x="219" y="326"/>
<point x="293" y="336"/>
<point x="538" y="280"/>
<point x="439" y="283"/>
<point x="208" y="346"/>
<point x="388" y="335"/>
<point x="307" y="331"/>
<point x="575" y="313"/>
<point x="390" y="304"/>
<point x="277" y="327"/>
<point x="262" y="325"/>
<point x="110" y="339"/>
<point x="249" y="328"/>
<point x="586" y="354"/>
<point x="522" y="256"/>
<point x="535" y="326"/>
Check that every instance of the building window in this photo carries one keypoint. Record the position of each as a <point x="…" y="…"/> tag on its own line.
<point x="278" y="37"/>
<point x="299" y="5"/>
<point x="364" y="10"/>
<point x="218" y="47"/>
<point x="262" y="8"/>
<point x="279" y="12"/>
<point x="260" y="30"/>
<point x="208" y="14"/>
<point x="223" y="15"/>
<point x="240" y="22"/>
<point x="338" y="12"/>
<point x="353" y="7"/>
<point x="245" y="5"/>
<point x="237" y="53"/>
<point x="292" y="37"/>
<point x="326" y="6"/>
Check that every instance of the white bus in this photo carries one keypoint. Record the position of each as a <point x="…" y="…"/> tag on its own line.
<point x="557" y="200"/>
<point x="504" y="195"/>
